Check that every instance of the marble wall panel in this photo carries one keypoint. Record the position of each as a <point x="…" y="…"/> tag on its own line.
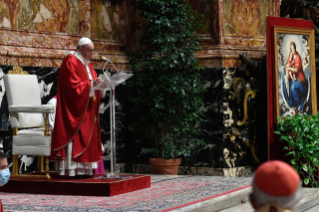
<point x="41" y="15"/>
<point x="236" y="27"/>
<point x="114" y="26"/>
<point x="41" y="32"/>
<point x="246" y="18"/>
<point x="85" y="18"/>
<point x="108" y="19"/>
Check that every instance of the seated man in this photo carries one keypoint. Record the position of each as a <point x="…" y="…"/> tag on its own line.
<point x="276" y="187"/>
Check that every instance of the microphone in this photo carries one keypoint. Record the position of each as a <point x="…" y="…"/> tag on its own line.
<point x="103" y="70"/>
<point x="108" y="60"/>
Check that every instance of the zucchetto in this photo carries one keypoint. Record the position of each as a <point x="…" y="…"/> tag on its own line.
<point x="276" y="178"/>
<point x="84" y="41"/>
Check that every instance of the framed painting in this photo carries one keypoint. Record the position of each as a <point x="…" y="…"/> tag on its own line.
<point x="295" y="72"/>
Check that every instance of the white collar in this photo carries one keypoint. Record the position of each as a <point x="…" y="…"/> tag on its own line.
<point x="79" y="56"/>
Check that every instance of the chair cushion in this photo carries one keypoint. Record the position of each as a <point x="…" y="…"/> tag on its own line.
<point x="31" y="150"/>
<point x="35" y="139"/>
<point x="34" y="131"/>
<point x="22" y="120"/>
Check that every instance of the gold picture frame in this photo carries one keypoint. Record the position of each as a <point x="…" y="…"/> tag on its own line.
<point x="295" y="72"/>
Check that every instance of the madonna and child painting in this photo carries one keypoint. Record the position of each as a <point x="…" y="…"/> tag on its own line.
<point x="294" y="72"/>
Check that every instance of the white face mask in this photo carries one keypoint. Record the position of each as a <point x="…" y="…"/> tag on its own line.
<point x="4" y="176"/>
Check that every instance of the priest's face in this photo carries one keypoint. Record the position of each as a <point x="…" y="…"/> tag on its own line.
<point x="87" y="51"/>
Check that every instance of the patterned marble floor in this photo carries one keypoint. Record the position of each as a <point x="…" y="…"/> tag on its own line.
<point x="166" y="193"/>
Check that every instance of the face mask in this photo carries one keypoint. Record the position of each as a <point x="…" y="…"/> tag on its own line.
<point x="4" y="176"/>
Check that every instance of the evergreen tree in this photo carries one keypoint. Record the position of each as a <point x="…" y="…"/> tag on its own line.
<point x="166" y="87"/>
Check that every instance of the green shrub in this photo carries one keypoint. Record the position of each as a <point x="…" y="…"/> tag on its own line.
<point x="301" y="134"/>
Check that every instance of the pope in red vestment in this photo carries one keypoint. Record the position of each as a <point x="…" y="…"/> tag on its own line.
<point x="77" y="110"/>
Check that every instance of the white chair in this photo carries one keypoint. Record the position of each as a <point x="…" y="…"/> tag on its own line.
<point x="26" y="112"/>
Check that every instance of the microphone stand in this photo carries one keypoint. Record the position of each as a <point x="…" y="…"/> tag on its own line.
<point x="112" y="174"/>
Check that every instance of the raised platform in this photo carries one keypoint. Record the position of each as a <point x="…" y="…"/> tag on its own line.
<point x="93" y="186"/>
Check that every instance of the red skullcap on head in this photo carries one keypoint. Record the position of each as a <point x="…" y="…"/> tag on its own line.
<point x="276" y="178"/>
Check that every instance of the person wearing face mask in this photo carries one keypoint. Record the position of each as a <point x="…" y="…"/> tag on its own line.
<point x="4" y="172"/>
<point x="76" y="138"/>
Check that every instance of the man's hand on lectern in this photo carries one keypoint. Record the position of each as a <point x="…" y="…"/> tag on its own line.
<point x="97" y="81"/>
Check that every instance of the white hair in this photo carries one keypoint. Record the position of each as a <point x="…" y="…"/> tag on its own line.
<point x="261" y="198"/>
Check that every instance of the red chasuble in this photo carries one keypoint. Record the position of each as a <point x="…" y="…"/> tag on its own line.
<point x="1" y="207"/>
<point x="76" y="114"/>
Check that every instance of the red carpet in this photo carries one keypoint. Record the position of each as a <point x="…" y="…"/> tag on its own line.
<point x="83" y="187"/>
<point x="167" y="193"/>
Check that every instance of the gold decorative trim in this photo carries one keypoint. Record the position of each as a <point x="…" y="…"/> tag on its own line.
<point x="253" y="94"/>
<point x="41" y="177"/>
<point x="28" y="176"/>
<point x="18" y="70"/>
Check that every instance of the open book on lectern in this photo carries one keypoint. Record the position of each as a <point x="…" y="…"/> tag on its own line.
<point x="113" y="81"/>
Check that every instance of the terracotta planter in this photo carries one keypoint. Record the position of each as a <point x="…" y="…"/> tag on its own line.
<point x="165" y="166"/>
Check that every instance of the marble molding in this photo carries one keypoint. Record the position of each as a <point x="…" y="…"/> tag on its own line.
<point x="227" y="57"/>
<point x="44" y="49"/>
<point x="245" y="171"/>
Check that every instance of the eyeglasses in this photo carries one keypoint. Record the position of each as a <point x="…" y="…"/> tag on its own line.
<point x="89" y="50"/>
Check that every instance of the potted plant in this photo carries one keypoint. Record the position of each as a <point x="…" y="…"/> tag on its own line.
<point x="301" y="134"/>
<point x="166" y="92"/>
